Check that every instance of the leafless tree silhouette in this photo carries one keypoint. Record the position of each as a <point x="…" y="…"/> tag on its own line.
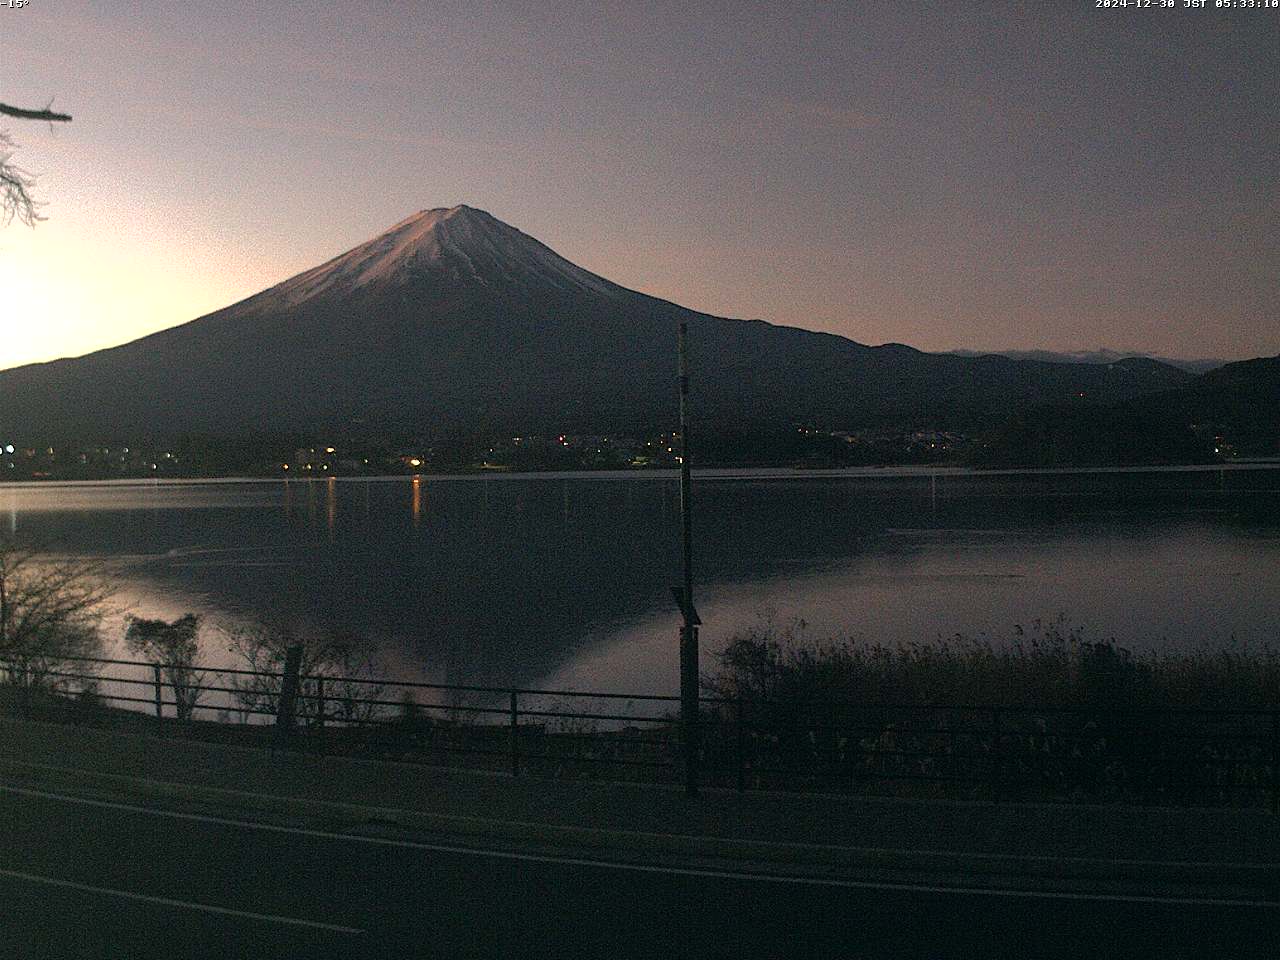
<point x="16" y="183"/>
<point x="345" y="665"/>
<point x="174" y="648"/>
<point x="50" y="612"/>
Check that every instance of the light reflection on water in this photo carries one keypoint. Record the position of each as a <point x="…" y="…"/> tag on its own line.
<point x="563" y="580"/>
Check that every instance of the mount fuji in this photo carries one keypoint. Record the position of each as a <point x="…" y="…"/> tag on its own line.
<point x="454" y="320"/>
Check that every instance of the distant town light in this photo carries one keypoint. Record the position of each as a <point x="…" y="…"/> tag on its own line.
<point x="415" y="462"/>
<point x="8" y="448"/>
<point x="330" y="450"/>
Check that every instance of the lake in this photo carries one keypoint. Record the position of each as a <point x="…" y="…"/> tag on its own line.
<point x="564" y="580"/>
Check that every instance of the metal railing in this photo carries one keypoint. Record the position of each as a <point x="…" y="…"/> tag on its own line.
<point x="979" y="751"/>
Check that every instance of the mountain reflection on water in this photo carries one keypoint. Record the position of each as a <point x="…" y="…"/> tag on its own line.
<point x="564" y="579"/>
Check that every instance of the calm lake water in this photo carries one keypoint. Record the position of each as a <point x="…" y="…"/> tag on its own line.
<point x="564" y="580"/>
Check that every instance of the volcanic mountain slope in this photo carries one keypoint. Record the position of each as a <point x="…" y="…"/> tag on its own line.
<point x="455" y="320"/>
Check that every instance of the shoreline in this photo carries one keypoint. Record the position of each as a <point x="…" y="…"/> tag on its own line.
<point x="709" y="473"/>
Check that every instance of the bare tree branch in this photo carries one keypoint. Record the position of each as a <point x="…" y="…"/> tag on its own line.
<point x="45" y="114"/>
<point x="15" y="189"/>
<point x="346" y="665"/>
<point x="15" y="183"/>
<point x="51" y="610"/>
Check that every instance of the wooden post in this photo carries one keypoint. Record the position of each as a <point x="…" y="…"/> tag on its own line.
<point x="995" y="755"/>
<point x="515" y="735"/>
<point x="159" y="684"/>
<point x="1275" y="761"/>
<point x="287" y="707"/>
<point x="742" y="744"/>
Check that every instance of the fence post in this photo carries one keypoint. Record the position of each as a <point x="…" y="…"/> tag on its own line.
<point x="515" y="735"/>
<point x="321" y="706"/>
<point x="287" y="707"/>
<point x="1275" y="761"/>
<point x="155" y="670"/>
<point x="742" y="745"/>
<point x="995" y="755"/>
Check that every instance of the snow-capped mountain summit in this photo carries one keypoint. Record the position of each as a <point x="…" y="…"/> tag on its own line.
<point x="446" y="245"/>
<point x="453" y="320"/>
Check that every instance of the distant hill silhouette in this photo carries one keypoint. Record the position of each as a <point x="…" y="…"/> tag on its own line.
<point x="1232" y="410"/>
<point x="1195" y="366"/>
<point x="1240" y="401"/>
<point x="454" y="320"/>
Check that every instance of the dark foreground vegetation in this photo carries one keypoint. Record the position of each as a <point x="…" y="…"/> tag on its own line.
<point x="1047" y="663"/>
<point x="1047" y="713"/>
<point x="1047" y="716"/>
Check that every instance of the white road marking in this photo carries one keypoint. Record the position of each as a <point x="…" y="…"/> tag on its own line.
<point x="384" y="812"/>
<point x="761" y="877"/>
<point x="181" y="904"/>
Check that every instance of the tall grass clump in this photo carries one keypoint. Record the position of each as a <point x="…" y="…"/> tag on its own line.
<point x="1048" y="711"/>
<point x="1048" y="663"/>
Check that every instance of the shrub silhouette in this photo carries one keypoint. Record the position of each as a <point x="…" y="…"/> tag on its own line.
<point x="1047" y="711"/>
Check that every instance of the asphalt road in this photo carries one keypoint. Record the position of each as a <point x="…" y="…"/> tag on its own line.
<point x="79" y="880"/>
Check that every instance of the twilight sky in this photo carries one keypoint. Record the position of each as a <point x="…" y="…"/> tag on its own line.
<point x="978" y="174"/>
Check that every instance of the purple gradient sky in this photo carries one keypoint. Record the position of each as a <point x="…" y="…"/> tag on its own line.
<point x="975" y="175"/>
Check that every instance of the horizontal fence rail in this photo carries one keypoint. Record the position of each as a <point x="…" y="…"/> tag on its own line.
<point x="995" y="752"/>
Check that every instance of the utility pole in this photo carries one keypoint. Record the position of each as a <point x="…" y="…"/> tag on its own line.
<point x="691" y="733"/>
